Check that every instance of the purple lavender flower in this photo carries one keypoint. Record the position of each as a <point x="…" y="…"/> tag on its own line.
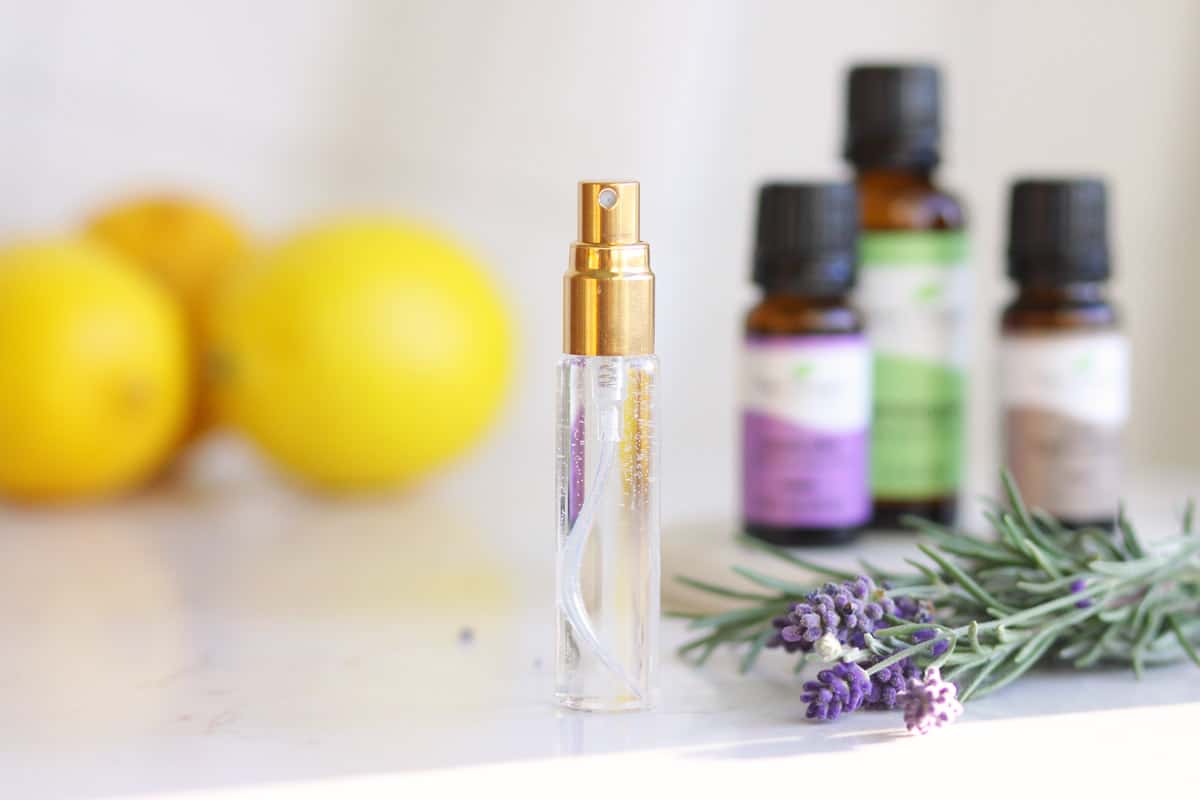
<point x="778" y="641"/>
<point x="841" y="688"/>
<point x="888" y="684"/>
<point x="1078" y="586"/>
<point x="842" y="612"/>
<point x="913" y="610"/>
<point x="925" y="634"/>
<point x="930" y="702"/>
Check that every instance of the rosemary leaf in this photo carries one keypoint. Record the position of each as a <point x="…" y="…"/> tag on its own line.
<point x="983" y="674"/>
<point x="963" y="664"/>
<point x="963" y="545"/>
<point x="964" y="580"/>
<point x="973" y="634"/>
<point x="1057" y="585"/>
<point x="1052" y="631"/>
<point x="787" y="587"/>
<point x="1007" y="535"/>
<point x="706" y="653"/>
<point x="929" y="574"/>
<point x="1042" y="560"/>
<point x="722" y="591"/>
<point x="791" y="558"/>
<point x="1143" y="608"/>
<point x="907" y="652"/>
<point x="1097" y="650"/>
<point x="1052" y="526"/>
<point x="753" y="652"/>
<point x="739" y="615"/>
<point x="1014" y="499"/>
<point x="1018" y="669"/>
<point x="1132" y="545"/>
<point x="1102" y="541"/>
<point x="1052" y="540"/>
<point x="1184" y="642"/>
<point x="909" y="627"/>
<point x="1115" y="615"/>
<point x="1076" y="649"/>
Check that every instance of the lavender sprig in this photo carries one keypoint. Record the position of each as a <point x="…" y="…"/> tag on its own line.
<point x="930" y="702"/>
<point x="841" y="688"/>
<point x="983" y="610"/>
<point x="829" y="618"/>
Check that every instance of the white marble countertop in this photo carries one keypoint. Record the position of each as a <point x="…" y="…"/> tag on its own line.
<point x="247" y="641"/>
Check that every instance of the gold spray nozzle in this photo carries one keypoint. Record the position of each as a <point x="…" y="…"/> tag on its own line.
<point x="608" y="212"/>
<point x="608" y="297"/>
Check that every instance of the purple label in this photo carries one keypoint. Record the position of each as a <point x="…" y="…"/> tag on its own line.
<point x="805" y="438"/>
<point x="796" y="477"/>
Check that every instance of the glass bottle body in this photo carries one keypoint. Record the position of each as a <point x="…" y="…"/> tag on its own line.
<point x="608" y="547"/>
<point x="783" y="318"/>
<point x="1064" y="387"/>
<point x="897" y="199"/>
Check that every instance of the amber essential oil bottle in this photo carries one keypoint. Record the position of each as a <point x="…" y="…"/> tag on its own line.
<point x="1064" y="363"/>
<point x="806" y="371"/>
<point x="913" y="290"/>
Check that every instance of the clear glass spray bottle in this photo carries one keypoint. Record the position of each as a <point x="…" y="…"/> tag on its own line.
<point x="607" y="461"/>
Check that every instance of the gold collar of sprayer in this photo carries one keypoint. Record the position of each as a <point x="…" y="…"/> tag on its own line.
<point x="608" y="291"/>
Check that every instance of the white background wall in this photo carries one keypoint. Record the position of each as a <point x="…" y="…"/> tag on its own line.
<point x="481" y="116"/>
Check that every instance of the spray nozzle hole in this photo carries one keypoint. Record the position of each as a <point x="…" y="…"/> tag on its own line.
<point x="607" y="198"/>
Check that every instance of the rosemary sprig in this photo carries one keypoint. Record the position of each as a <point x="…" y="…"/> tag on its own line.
<point x="1034" y="592"/>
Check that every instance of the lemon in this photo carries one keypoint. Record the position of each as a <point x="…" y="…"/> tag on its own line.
<point x="191" y="246"/>
<point x="362" y="353"/>
<point x="93" y="372"/>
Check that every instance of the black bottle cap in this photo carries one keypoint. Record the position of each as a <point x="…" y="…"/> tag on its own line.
<point x="893" y="116"/>
<point x="1058" y="231"/>
<point x="807" y="235"/>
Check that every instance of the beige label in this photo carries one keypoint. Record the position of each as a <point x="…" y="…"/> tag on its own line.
<point x="1066" y="398"/>
<point x="1064" y="465"/>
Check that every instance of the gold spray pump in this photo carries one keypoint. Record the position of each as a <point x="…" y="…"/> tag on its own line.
<point x="608" y="292"/>
<point x="607" y="461"/>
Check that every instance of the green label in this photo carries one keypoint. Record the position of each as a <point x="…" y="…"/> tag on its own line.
<point x="913" y="248"/>
<point x="913" y="291"/>
<point x="917" y="429"/>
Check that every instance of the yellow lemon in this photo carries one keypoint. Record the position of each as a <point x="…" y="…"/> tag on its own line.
<point x="93" y="372"/>
<point x="362" y="353"/>
<point x="189" y="245"/>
